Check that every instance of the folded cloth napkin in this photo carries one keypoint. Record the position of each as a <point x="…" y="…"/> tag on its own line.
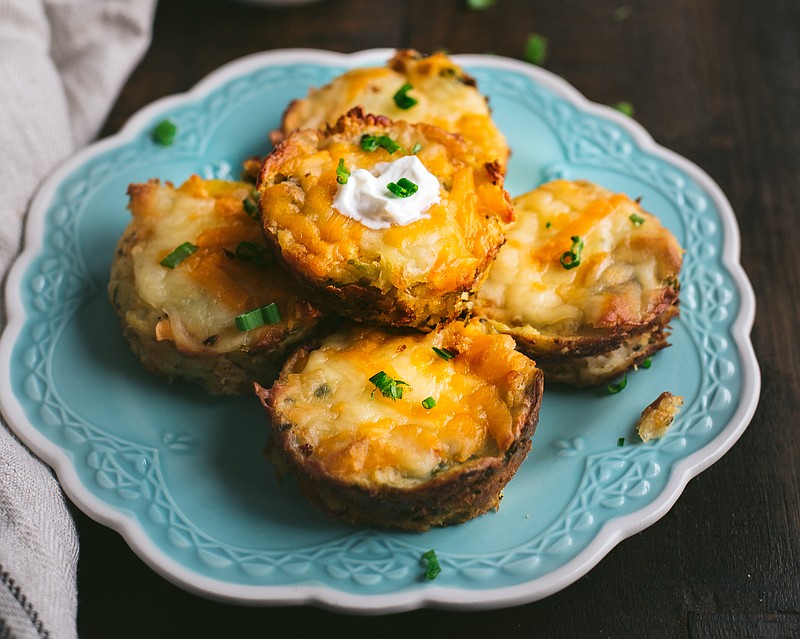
<point x="62" y="65"/>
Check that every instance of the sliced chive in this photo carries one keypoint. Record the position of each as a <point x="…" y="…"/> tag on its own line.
<point x="391" y="388"/>
<point x="268" y="314"/>
<point x="250" y="207"/>
<point x="621" y="441"/>
<point x="616" y="388"/>
<point x="372" y="142"/>
<point x="637" y="220"/>
<point x="444" y="353"/>
<point x="178" y="255"/>
<point x="428" y="402"/>
<point x="432" y="567"/>
<point x="255" y="254"/>
<point x="164" y="132"/>
<point x="572" y="258"/>
<point x="536" y="49"/>
<point x="548" y="225"/>
<point x="624" y="107"/>
<point x="646" y="363"/>
<point x="402" y="99"/>
<point x="416" y="148"/>
<point x="342" y="172"/>
<point x="403" y="188"/>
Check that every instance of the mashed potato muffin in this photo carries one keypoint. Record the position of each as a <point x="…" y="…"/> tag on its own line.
<point x="403" y="429"/>
<point x="587" y="282"/>
<point x="386" y="221"/>
<point x="412" y="87"/>
<point x="191" y="261"/>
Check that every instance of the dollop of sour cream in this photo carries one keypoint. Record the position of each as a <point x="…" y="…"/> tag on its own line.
<point x="364" y="197"/>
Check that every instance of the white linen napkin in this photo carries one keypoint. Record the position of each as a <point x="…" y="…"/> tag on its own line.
<point x="62" y="65"/>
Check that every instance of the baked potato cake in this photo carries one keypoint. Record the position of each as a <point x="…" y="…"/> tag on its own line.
<point x="413" y="87"/>
<point x="384" y="221"/>
<point x="403" y="429"/>
<point x="191" y="261"/>
<point x="587" y="282"/>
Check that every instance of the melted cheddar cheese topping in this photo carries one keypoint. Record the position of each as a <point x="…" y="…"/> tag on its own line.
<point x="357" y="434"/>
<point x="445" y="251"/>
<point x="200" y="297"/>
<point x="446" y="97"/>
<point x="628" y="265"/>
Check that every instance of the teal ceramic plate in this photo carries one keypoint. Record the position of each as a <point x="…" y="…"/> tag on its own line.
<point x="181" y="475"/>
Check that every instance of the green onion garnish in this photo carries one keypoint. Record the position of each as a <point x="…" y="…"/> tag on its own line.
<point x="250" y="207"/>
<point x="536" y="49"/>
<point x="268" y="314"/>
<point x="621" y="441"/>
<point x="444" y="353"/>
<point x="342" y="173"/>
<point x="624" y="107"/>
<point x="428" y="402"/>
<point x="646" y="363"/>
<point x="432" y="568"/>
<point x="416" y="148"/>
<point x="255" y="254"/>
<point x="164" y="132"/>
<point x="548" y="225"/>
<point x="616" y="388"/>
<point x="572" y="258"/>
<point x="178" y="255"/>
<point x="637" y="220"/>
<point x="372" y="142"/>
<point x="402" y="99"/>
<point x="391" y="388"/>
<point x="403" y="188"/>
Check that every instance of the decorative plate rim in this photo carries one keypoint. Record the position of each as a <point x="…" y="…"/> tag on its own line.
<point x="433" y="596"/>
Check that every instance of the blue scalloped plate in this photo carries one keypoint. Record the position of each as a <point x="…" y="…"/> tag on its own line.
<point x="181" y="475"/>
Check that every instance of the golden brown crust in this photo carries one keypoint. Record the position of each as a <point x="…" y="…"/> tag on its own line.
<point x="180" y="322"/>
<point x="416" y="275"/>
<point x="447" y="97"/>
<point x="457" y="490"/>
<point x="656" y="418"/>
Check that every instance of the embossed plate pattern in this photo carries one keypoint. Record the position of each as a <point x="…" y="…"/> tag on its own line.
<point x="181" y="475"/>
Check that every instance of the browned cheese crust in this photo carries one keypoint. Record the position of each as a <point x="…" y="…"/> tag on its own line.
<point x="362" y="457"/>
<point x="416" y="275"/>
<point x="445" y="96"/>
<point x="180" y="322"/>
<point x="584" y="324"/>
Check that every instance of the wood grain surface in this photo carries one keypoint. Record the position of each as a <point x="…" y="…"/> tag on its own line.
<point x="717" y="81"/>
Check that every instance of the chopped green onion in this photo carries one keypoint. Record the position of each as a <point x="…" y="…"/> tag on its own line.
<point x="621" y="441"/>
<point x="444" y="353"/>
<point x="268" y="314"/>
<point x="616" y="388"/>
<point x="372" y="142"/>
<point x="250" y="207"/>
<point x="433" y="568"/>
<point x="572" y="258"/>
<point x="480" y="4"/>
<point x="391" y="388"/>
<point x="624" y="107"/>
<point x="548" y="225"/>
<point x="536" y="49"/>
<point x="416" y="148"/>
<point x="342" y="172"/>
<point x="403" y="188"/>
<point x="428" y="402"/>
<point x="255" y="254"/>
<point x="178" y="255"/>
<point x="402" y="99"/>
<point x="637" y="220"/>
<point x="647" y="363"/>
<point x="164" y="132"/>
<point x="621" y="13"/>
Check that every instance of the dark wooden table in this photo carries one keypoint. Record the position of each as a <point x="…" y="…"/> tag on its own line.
<point x="717" y="81"/>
